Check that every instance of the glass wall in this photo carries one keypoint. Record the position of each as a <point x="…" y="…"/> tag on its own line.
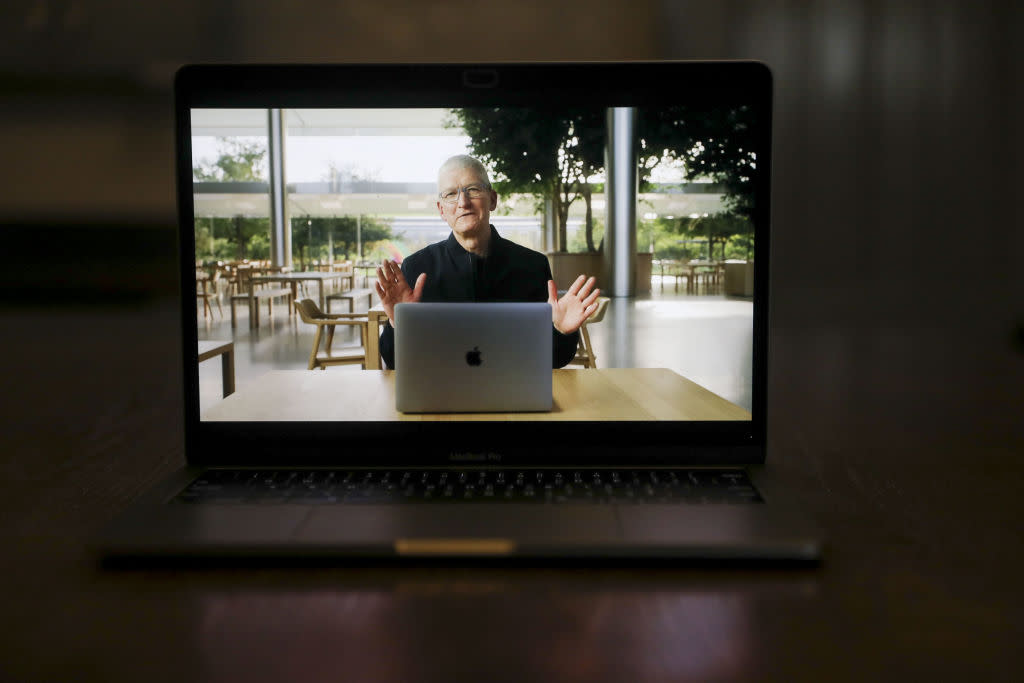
<point x="229" y="172"/>
<point x="361" y="186"/>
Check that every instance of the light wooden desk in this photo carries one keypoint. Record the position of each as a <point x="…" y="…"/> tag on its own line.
<point x="603" y="394"/>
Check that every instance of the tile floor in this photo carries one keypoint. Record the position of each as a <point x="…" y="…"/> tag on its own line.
<point x="707" y="338"/>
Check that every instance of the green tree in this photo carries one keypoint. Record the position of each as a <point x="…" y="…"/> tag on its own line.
<point x="549" y="152"/>
<point x="714" y="229"/>
<point x="740" y="247"/>
<point x="238" y="160"/>
<point x="211" y="243"/>
<point x="312" y="236"/>
<point x="716" y="143"/>
<point x="242" y="230"/>
<point x="669" y="239"/>
<point x="233" y="238"/>
<point x="720" y="229"/>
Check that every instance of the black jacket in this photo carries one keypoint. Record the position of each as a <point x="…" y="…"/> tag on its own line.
<point x="509" y="273"/>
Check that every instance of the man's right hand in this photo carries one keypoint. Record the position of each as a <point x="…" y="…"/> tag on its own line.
<point x="393" y="289"/>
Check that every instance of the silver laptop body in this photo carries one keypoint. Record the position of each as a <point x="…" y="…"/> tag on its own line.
<point x="473" y="357"/>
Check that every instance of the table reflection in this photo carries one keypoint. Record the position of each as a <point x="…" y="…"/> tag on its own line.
<point x="522" y="627"/>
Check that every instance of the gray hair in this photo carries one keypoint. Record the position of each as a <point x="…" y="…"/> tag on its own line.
<point x="464" y="161"/>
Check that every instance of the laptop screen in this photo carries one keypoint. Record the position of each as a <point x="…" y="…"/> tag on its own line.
<point x="297" y="183"/>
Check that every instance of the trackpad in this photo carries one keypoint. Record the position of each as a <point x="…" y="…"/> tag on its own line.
<point x="375" y="525"/>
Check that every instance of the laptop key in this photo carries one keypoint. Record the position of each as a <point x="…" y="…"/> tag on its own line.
<point x="327" y="487"/>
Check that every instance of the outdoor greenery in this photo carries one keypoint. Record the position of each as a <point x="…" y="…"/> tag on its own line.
<point x="238" y="160"/>
<point x="549" y="152"/>
<point x="232" y="239"/>
<point x="553" y="152"/>
<point x="314" y="237"/>
<point x="714" y="143"/>
<point x="238" y="237"/>
<point x="715" y="237"/>
<point x="582" y="240"/>
<point x="685" y="238"/>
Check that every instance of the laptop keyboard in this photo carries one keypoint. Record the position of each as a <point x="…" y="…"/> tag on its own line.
<point x="332" y="486"/>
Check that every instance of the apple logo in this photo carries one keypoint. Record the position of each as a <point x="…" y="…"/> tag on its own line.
<point x="473" y="357"/>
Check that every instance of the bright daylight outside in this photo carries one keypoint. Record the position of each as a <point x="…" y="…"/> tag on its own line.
<point x="292" y="220"/>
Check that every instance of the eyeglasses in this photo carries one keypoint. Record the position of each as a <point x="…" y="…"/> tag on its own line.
<point x="471" y="191"/>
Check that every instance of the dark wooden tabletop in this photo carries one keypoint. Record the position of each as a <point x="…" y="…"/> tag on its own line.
<point x="916" y="476"/>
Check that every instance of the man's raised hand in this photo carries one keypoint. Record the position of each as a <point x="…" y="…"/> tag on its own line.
<point x="572" y="310"/>
<point x="393" y="289"/>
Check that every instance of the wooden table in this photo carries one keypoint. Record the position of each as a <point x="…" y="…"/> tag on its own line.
<point x="689" y="270"/>
<point x="343" y="267"/>
<point x="226" y="350"/>
<point x="295" y="278"/>
<point x="710" y="269"/>
<point x="906" y="452"/>
<point x="619" y="394"/>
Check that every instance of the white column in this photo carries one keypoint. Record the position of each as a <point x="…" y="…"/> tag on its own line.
<point x="549" y="226"/>
<point x="621" y="190"/>
<point x="280" y="229"/>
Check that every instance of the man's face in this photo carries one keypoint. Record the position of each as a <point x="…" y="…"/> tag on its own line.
<point x="468" y="217"/>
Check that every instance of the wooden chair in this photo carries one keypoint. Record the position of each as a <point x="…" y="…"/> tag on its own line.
<point x="231" y="271"/>
<point x="203" y="286"/>
<point x="585" y="352"/>
<point x="348" y="280"/>
<point x="311" y="314"/>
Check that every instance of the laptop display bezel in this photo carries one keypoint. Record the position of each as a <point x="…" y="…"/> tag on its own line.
<point x="464" y="85"/>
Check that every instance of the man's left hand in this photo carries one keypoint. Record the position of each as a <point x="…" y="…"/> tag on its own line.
<point x="573" y="309"/>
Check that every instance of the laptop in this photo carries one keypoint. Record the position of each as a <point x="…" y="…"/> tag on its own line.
<point x="655" y="176"/>
<point x="472" y="357"/>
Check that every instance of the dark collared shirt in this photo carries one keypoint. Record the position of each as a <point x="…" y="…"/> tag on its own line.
<point x="510" y="273"/>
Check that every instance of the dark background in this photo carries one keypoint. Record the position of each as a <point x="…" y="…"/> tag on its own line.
<point x="897" y="355"/>
<point x="898" y="158"/>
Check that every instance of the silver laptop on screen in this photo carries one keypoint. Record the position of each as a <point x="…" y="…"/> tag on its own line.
<point x="472" y="357"/>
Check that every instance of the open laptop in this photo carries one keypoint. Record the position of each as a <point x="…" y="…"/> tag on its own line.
<point x="472" y="357"/>
<point x="658" y="452"/>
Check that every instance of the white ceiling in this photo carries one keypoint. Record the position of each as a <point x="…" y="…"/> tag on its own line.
<point x="227" y="122"/>
<point x="414" y="204"/>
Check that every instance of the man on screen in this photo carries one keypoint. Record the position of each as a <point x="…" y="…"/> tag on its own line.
<point x="476" y="264"/>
